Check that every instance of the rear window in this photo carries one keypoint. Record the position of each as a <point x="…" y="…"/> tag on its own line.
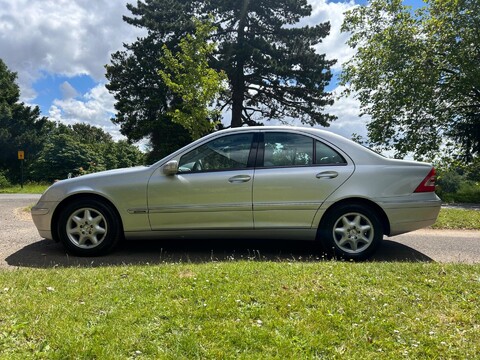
<point x="288" y="149"/>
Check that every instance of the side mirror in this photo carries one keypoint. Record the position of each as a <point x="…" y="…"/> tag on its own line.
<point x="170" y="168"/>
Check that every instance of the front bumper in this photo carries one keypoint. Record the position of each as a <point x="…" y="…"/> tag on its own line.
<point x="42" y="214"/>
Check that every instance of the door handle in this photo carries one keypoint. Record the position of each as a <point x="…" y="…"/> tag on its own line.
<point x="239" y="179"/>
<point x="327" y="175"/>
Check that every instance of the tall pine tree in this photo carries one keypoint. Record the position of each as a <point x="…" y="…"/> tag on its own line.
<point x="272" y="68"/>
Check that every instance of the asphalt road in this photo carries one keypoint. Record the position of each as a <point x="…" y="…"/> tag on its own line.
<point x="21" y="246"/>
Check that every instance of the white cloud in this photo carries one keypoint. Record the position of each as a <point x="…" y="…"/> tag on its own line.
<point x="95" y="108"/>
<point x="76" y="37"/>
<point x="68" y="91"/>
<point x="66" y="37"/>
<point x="334" y="44"/>
<point x="347" y="110"/>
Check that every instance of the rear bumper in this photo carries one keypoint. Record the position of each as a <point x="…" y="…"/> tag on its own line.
<point x="408" y="215"/>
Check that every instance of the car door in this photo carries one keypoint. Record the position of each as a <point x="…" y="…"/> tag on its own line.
<point x="212" y="189"/>
<point x="294" y="175"/>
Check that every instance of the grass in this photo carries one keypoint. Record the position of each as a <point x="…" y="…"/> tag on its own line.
<point x="29" y="188"/>
<point x="242" y="310"/>
<point x="246" y="309"/>
<point x="458" y="219"/>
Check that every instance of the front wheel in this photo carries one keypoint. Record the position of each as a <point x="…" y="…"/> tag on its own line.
<point x="88" y="228"/>
<point x="351" y="232"/>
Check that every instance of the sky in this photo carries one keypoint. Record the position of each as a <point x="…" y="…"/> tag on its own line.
<point x="59" y="49"/>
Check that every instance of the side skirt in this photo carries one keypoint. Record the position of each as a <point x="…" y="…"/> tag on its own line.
<point x="282" y="234"/>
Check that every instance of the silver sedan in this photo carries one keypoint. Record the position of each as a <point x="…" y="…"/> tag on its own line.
<point x="255" y="182"/>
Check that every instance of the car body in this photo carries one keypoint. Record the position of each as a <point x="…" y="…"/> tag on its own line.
<point x="251" y="182"/>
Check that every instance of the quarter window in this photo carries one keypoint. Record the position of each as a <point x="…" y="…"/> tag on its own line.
<point x="226" y="153"/>
<point x="325" y="155"/>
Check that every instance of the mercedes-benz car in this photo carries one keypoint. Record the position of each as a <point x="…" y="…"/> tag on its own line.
<point x="254" y="182"/>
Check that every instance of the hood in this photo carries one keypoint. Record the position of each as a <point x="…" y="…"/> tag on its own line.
<point x="102" y="174"/>
<point x="88" y="182"/>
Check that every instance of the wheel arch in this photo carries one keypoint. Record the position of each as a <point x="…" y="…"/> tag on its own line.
<point x="362" y="202"/>
<point x="81" y="196"/>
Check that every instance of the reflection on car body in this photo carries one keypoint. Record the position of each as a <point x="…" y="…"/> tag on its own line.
<point x="257" y="182"/>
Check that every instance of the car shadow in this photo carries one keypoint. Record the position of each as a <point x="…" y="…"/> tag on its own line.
<point x="48" y="254"/>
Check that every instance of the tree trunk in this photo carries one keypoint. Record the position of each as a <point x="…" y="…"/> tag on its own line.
<point x="238" y="83"/>
<point x="237" y="98"/>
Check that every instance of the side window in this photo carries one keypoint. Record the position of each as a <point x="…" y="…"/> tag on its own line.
<point x="325" y="155"/>
<point x="226" y="153"/>
<point x="284" y="149"/>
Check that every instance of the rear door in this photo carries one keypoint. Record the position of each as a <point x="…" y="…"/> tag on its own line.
<point x="294" y="175"/>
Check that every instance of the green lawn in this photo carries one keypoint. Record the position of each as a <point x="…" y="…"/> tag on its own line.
<point x="458" y="219"/>
<point x="246" y="309"/>
<point x="242" y="310"/>
<point x="29" y="188"/>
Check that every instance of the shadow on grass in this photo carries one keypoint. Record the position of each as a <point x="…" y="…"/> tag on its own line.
<point x="48" y="254"/>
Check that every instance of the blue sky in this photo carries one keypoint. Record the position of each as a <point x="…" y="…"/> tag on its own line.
<point x="59" y="48"/>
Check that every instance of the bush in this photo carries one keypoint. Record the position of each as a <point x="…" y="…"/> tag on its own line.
<point x="449" y="182"/>
<point x="4" y="183"/>
<point x="472" y="170"/>
<point x="468" y="192"/>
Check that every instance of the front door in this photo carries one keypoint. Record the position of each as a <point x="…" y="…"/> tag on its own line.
<point x="212" y="189"/>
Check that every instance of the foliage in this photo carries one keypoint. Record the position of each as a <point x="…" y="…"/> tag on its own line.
<point x="142" y="98"/>
<point x="467" y="192"/>
<point x="242" y="309"/>
<point x="189" y="76"/>
<point x="65" y="156"/>
<point x="272" y="68"/>
<point x="457" y="181"/>
<point x="52" y="151"/>
<point x="449" y="181"/>
<point x="472" y="170"/>
<point x="417" y="75"/>
<point x="21" y="127"/>
<point x="4" y="183"/>
<point x="81" y="149"/>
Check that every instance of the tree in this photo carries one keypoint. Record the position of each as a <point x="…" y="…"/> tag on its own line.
<point x="21" y="126"/>
<point x="143" y="99"/>
<point x="63" y="155"/>
<point x="417" y="74"/>
<point x="189" y="76"/>
<point x="81" y="149"/>
<point x="272" y="68"/>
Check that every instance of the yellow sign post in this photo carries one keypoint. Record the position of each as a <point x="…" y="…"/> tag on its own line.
<point x="21" y="157"/>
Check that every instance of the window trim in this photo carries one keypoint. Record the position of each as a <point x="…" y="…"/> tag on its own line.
<point x="259" y="163"/>
<point x="250" y="160"/>
<point x="328" y="146"/>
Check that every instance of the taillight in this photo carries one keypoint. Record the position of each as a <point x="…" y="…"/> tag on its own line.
<point x="427" y="184"/>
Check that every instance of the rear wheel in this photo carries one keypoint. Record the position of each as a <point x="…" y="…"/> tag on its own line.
<point x="351" y="232"/>
<point x="88" y="228"/>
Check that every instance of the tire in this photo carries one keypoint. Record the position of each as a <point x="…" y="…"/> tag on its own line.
<point x="351" y="232"/>
<point x="88" y="228"/>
